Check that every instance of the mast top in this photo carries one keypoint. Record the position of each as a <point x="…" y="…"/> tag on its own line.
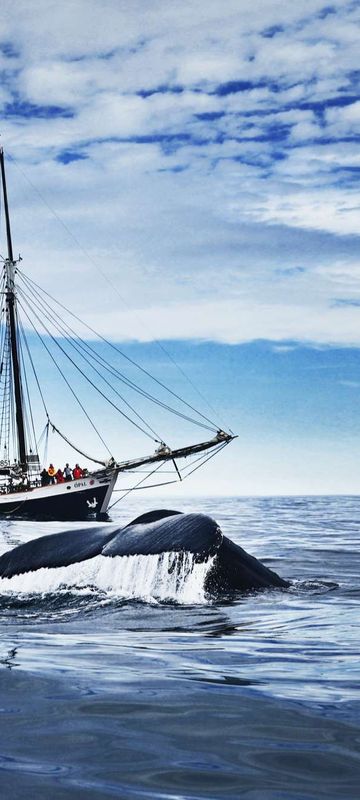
<point x="6" y="206"/>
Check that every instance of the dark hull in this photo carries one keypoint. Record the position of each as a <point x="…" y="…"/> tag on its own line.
<point x="73" y="506"/>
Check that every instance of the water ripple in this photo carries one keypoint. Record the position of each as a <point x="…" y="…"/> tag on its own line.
<point x="133" y="683"/>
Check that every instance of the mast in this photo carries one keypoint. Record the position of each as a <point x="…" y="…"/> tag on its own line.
<point x="10" y="265"/>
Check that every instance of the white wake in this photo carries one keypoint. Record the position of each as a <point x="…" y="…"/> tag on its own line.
<point x="168" y="576"/>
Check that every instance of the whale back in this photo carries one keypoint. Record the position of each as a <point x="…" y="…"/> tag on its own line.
<point x="192" y="533"/>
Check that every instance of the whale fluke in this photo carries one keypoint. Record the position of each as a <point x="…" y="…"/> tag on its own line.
<point x="153" y="533"/>
<point x="54" y="550"/>
<point x="235" y="569"/>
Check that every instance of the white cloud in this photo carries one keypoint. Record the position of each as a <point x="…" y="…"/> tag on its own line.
<point x="313" y="209"/>
<point x="235" y="321"/>
<point x="344" y="121"/>
<point x="193" y="195"/>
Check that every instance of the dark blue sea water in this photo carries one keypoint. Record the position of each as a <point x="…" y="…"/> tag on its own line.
<point x="116" y="683"/>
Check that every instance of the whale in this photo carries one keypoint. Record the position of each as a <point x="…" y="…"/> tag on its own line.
<point x="152" y="533"/>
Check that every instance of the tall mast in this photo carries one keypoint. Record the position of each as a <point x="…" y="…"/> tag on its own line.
<point x="10" y="265"/>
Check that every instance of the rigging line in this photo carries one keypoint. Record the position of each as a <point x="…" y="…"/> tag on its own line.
<point x="30" y="422"/>
<point x="2" y="350"/>
<point x="38" y="443"/>
<point x="3" y="324"/>
<point x="66" y="381"/>
<point x="6" y="414"/>
<point x="110" y="368"/>
<point x="142" y="472"/>
<point x="142" y="488"/>
<point x="165" y="483"/>
<point x="7" y="389"/>
<point x="114" y="287"/>
<point x="12" y="405"/>
<point x="124" y="355"/>
<point x="55" y="341"/>
<point x="45" y="436"/>
<point x="2" y="346"/>
<point x="206" y="459"/>
<point x="3" y="304"/>
<point x="193" y="461"/>
<point x="73" y="342"/>
<point x="187" y="377"/>
<point x="28" y="416"/>
<point x="33" y="369"/>
<point x="119" y="375"/>
<point x="138" y="484"/>
<point x="46" y="445"/>
<point x="5" y="407"/>
<point x="95" y="460"/>
<point x="187" y="468"/>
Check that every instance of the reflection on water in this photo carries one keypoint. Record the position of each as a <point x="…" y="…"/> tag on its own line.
<point x="132" y="683"/>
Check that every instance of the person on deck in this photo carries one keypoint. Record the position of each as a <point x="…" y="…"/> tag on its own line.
<point x="45" y="479"/>
<point x="77" y="472"/>
<point x="59" y="476"/>
<point x="67" y="472"/>
<point x="51" y="473"/>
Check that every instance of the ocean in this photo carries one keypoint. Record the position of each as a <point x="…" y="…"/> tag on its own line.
<point x="116" y="680"/>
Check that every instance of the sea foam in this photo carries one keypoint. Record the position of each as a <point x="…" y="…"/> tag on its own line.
<point x="168" y="576"/>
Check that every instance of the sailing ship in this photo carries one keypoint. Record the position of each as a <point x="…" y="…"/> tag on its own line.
<point x="22" y="493"/>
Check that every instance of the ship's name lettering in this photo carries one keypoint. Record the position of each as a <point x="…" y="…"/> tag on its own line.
<point x="79" y="483"/>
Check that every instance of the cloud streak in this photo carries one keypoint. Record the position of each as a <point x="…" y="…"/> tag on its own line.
<point x="215" y="149"/>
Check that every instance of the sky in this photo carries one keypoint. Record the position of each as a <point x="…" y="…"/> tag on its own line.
<point x="187" y="173"/>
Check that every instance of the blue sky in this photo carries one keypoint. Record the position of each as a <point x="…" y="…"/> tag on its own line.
<point x="188" y="173"/>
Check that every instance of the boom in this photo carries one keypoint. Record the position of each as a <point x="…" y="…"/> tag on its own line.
<point x="164" y="453"/>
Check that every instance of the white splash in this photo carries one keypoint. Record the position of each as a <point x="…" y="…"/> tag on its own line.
<point x="168" y="576"/>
